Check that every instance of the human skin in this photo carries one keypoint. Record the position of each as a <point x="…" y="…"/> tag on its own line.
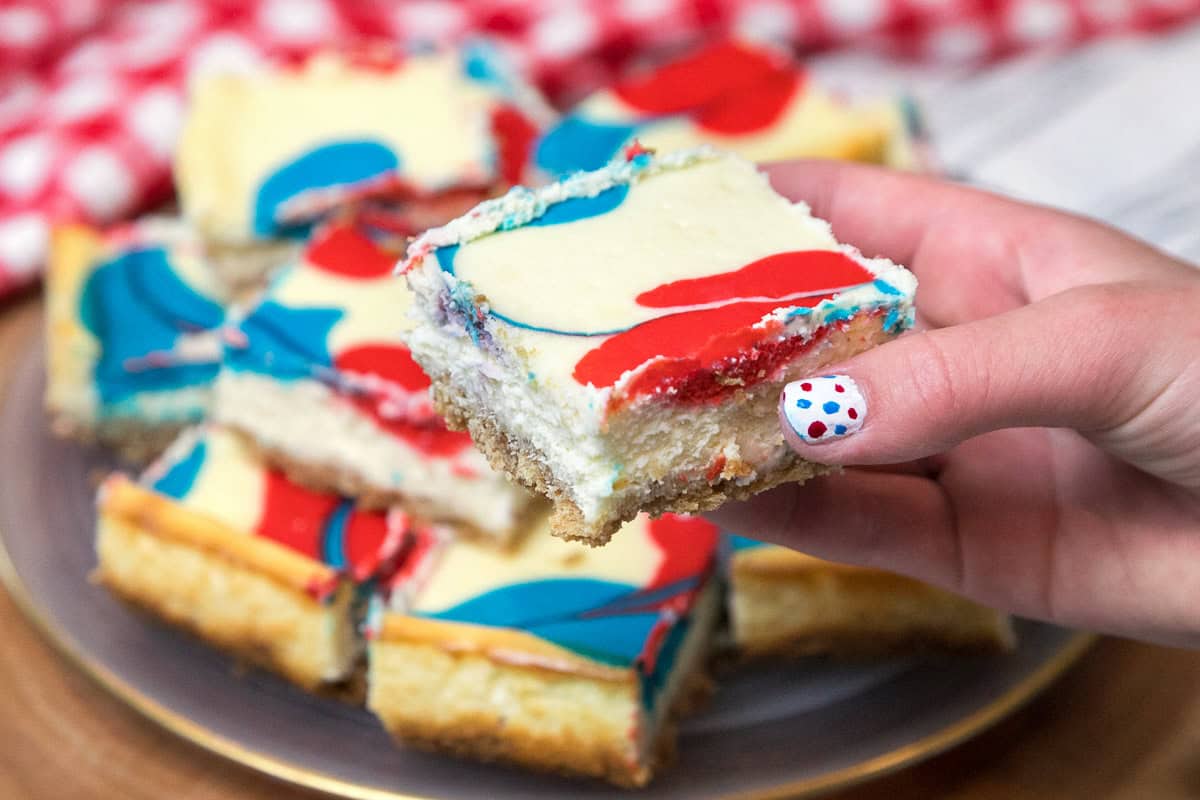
<point x="1035" y="443"/>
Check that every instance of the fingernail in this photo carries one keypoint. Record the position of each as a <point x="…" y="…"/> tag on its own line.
<point x="825" y="408"/>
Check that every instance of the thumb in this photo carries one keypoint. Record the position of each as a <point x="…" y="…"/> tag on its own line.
<point x="1076" y="359"/>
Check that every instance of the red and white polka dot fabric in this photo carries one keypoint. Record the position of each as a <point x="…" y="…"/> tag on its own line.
<point x="92" y="91"/>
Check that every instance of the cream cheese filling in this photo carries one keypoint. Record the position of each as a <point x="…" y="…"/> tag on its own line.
<point x="308" y="422"/>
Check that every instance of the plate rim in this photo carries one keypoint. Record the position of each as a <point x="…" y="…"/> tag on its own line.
<point x="198" y="735"/>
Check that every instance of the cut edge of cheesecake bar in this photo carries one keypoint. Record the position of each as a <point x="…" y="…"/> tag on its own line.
<point x="785" y="603"/>
<point x="71" y="350"/>
<point x="252" y="597"/>
<point x="496" y="512"/>
<point x="346" y="482"/>
<point x="71" y="401"/>
<point x="505" y="695"/>
<point x="525" y="465"/>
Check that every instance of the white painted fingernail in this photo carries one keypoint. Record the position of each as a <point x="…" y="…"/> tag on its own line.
<point x="825" y="408"/>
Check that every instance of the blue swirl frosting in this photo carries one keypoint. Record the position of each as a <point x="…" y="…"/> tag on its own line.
<point x="571" y="210"/>
<point x="283" y="342"/>
<point x="605" y="621"/>
<point x="341" y="163"/>
<point x="739" y="543"/>
<point x="578" y="143"/>
<point x="136" y="304"/>
<point x="177" y="481"/>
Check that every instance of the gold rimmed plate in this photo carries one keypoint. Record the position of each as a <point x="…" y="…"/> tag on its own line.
<point x="771" y="731"/>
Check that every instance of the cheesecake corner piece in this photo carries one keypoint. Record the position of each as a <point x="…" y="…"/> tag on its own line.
<point x="553" y="656"/>
<point x="213" y="541"/>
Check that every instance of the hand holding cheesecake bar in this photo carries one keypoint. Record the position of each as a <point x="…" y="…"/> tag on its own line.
<point x="1046" y="424"/>
<point x="617" y="340"/>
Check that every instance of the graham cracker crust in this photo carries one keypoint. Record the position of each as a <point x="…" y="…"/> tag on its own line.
<point x="858" y="646"/>
<point x="134" y="442"/>
<point x="247" y="653"/>
<point x="524" y="465"/>
<point x="480" y="741"/>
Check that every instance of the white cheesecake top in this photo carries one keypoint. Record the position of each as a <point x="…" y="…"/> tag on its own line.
<point x="746" y="98"/>
<point x="213" y="472"/>
<point x="151" y="308"/>
<point x="558" y="603"/>
<point x="620" y="282"/>
<point x="335" y="317"/>
<point x="262" y="152"/>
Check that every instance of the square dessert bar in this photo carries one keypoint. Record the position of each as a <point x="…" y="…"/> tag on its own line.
<point x="265" y="154"/>
<point x="745" y="98"/>
<point x="786" y="603"/>
<point x="316" y="375"/>
<point x="554" y="656"/>
<point x="213" y="540"/>
<point x="132" y="340"/>
<point x="618" y="341"/>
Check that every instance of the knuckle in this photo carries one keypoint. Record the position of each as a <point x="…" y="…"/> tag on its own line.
<point x="1122" y="359"/>
<point x="1098" y="301"/>
<point x="934" y="372"/>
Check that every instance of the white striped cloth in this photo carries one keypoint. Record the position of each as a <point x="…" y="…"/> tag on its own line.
<point x="1111" y="130"/>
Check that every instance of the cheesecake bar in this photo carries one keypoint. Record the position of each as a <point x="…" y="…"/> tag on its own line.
<point x="745" y="98"/>
<point x="554" y="656"/>
<point x="213" y="540"/>
<point x="264" y="155"/>
<point x="618" y="340"/>
<point x="132" y="341"/>
<point x="316" y="375"/>
<point x="782" y="602"/>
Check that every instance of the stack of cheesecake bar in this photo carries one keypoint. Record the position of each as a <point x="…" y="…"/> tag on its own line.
<point x="340" y="473"/>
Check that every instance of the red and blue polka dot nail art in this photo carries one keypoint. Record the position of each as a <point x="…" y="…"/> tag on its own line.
<point x="824" y="408"/>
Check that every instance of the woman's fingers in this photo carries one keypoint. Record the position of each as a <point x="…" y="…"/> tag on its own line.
<point x="976" y="254"/>
<point x="1080" y="359"/>
<point x="1035" y="522"/>
<point x="898" y="522"/>
<point x="880" y="211"/>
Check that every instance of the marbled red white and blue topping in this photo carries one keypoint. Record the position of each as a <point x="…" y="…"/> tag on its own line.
<point x="737" y="543"/>
<point x="377" y="123"/>
<point x="333" y="317"/>
<point x="150" y="303"/>
<point x="333" y="174"/>
<point x="582" y="275"/>
<point x="726" y="91"/>
<point x="213" y="472"/>
<point x="625" y="605"/>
